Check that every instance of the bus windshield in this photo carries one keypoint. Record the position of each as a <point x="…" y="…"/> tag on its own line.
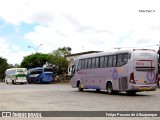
<point x="48" y="70"/>
<point x="21" y="71"/>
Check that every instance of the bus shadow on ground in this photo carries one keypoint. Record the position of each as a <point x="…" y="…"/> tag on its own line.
<point x="138" y="94"/>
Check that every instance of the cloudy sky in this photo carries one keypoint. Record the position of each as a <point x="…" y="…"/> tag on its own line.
<point x="83" y="25"/>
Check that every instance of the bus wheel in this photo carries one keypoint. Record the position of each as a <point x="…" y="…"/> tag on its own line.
<point x="98" y="90"/>
<point x="109" y="88"/>
<point x="13" y="82"/>
<point x="79" y="86"/>
<point x="6" y="82"/>
<point x="131" y="92"/>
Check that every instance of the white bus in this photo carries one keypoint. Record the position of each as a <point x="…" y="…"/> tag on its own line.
<point x="129" y="70"/>
<point x="16" y="75"/>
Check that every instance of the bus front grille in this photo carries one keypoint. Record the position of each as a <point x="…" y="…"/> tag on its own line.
<point x="123" y="84"/>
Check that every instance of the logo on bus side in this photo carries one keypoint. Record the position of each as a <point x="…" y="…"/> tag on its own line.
<point x="115" y="74"/>
<point x="151" y="76"/>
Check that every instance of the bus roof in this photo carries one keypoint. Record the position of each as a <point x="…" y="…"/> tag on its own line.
<point x="15" y="69"/>
<point x="39" y="68"/>
<point x="102" y="54"/>
<point x="109" y="53"/>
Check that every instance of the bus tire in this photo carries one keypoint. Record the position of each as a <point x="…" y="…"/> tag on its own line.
<point x="79" y="86"/>
<point x="13" y="82"/>
<point x="98" y="90"/>
<point x="109" y="88"/>
<point x="40" y="82"/>
<point x="6" y="82"/>
<point x="131" y="92"/>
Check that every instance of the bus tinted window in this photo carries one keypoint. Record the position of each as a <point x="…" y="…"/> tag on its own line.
<point x="48" y="70"/>
<point x="119" y="59"/>
<point x="101" y="62"/>
<point x="125" y="57"/>
<point x="11" y="72"/>
<point x="82" y="64"/>
<point x="79" y="65"/>
<point x="106" y="61"/>
<point x="110" y="61"/>
<point x="93" y="62"/>
<point x="97" y="63"/>
<point x="86" y="63"/>
<point x="89" y="63"/>
<point x="114" y="60"/>
<point x="122" y="59"/>
<point x="36" y="72"/>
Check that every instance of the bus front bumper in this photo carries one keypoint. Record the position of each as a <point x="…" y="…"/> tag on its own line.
<point x="21" y="81"/>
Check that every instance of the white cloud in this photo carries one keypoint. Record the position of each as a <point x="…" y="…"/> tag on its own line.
<point x="83" y="24"/>
<point x="12" y="53"/>
<point x="15" y="48"/>
<point x="3" y="47"/>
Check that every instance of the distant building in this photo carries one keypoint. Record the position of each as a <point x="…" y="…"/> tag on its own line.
<point x="72" y="57"/>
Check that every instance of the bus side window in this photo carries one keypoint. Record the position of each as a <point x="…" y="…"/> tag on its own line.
<point x="125" y="58"/>
<point x="79" y="65"/>
<point x="86" y="63"/>
<point x="82" y="64"/>
<point x="93" y="62"/>
<point x="119" y="60"/>
<point x="122" y="59"/>
<point x="114" y="60"/>
<point x="73" y="70"/>
<point x="89" y="63"/>
<point x="101" y="62"/>
<point x="110" y="61"/>
<point x="97" y="62"/>
<point x="106" y="61"/>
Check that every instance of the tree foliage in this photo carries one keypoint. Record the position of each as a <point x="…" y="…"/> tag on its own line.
<point x="58" y="59"/>
<point x="3" y="66"/>
<point x="62" y="51"/>
<point x="34" y="60"/>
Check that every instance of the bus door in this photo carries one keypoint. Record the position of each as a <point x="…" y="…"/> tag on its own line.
<point x="145" y="67"/>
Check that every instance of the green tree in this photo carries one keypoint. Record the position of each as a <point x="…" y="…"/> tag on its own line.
<point x="34" y="60"/>
<point x="3" y="66"/>
<point x="58" y="59"/>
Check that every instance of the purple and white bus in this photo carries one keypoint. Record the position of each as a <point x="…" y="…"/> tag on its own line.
<point x="129" y="70"/>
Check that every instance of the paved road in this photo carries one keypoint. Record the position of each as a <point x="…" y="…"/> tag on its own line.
<point x="61" y="97"/>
